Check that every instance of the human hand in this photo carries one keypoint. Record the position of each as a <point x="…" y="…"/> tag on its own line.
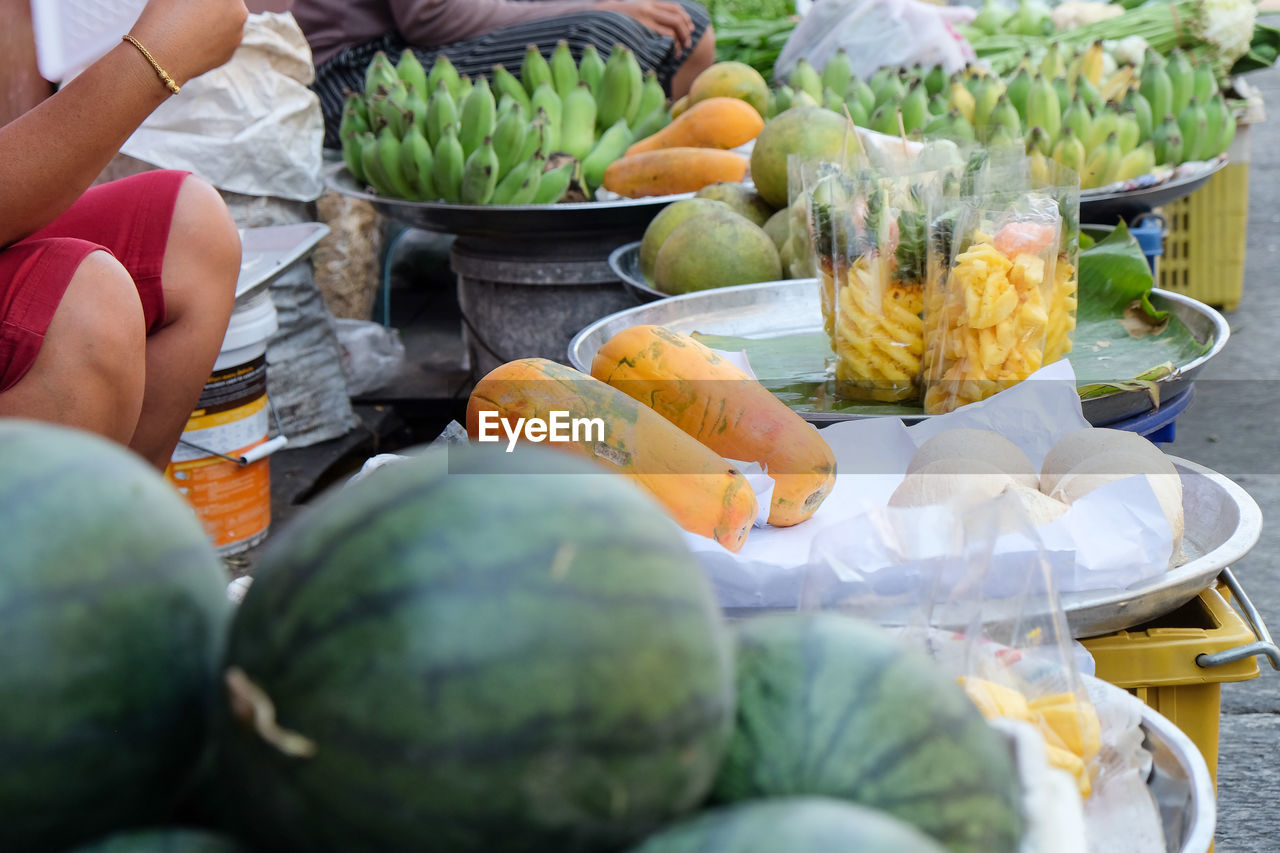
<point x="665" y="18"/>
<point x="190" y="37"/>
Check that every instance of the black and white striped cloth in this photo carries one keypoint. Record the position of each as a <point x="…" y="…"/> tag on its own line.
<point x="474" y="57"/>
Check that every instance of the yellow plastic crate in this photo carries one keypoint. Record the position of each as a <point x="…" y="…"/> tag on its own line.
<point x="1157" y="663"/>
<point x="1206" y="233"/>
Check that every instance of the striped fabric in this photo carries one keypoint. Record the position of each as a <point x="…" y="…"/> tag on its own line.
<point x="476" y="57"/>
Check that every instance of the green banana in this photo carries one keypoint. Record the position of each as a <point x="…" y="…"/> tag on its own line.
<point x="1128" y="134"/>
<point x="1105" y="122"/>
<point x="1078" y="119"/>
<point x="891" y="92"/>
<point x="1005" y="115"/>
<point x="417" y="108"/>
<point x="417" y="163"/>
<point x="392" y="169"/>
<point x="1183" y="79"/>
<point x="1140" y="161"/>
<point x="409" y="69"/>
<point x="1089" y="94"/>
<point x="780" y="100"/>
<point x="465" y="84"/>
<point x="884" y="120"/>
<point x="351" y="127"/>
<point x="554" y="183"/>
<point x="1134" y="100"/>
<point x="938" y="105"/>
<point x="479" y="174"/>
<point x="1017" y="91"/>
<point x="615" y="90"/>
<point x="1204" y="85"/>
<point x="1228" y="133"/>
<point x="578" y="122"/>
<point x="998" y="136"/>
<point x="1043" y="110"/>
<point x="882" y="74"/>
<point x="651" y="97"/>
<point x="1069" y="151"/>
<point x="441" y="112"/>
<point x="655" y="121"/>
<point x="1156" y="87"/>
<point x="479" y="112"/>
<point x="1167" y="138"/>
<point x="564" y="69"/>
<point x="1039" y="140"/>
<point x="1063" y="90"/>
<point x="635" y="84"/>
<point x="546" y="100"/>
<point x="1217" y="116"/>
<point x="831" y="101"/>
<point x="535" y="138"/>
<point x="859" y="90"/>
<point x="838" y="71"/>
<point x="520" y="186"/>
<point x="935" y="80"/>
<point x="801" y="98"/>
<point x="506" y="83"/>
<point x="804" y="76"/>
<point x="591" y="68"/>
<point x="447" y="168"/>
<point x="1193" y="123"/>
<point x="1101" y="165"/>
<point x="960" y="130"/>
<point x="379" y="73"/>
<point x="915" y="108"/>
<point x="371" y="165"/>
<point x="508" y="137"/>
<point x="534" y="69"/>
<point x="442" y="71"/>
<point x="1053" y="64"/>
<point x="611" y="145"/>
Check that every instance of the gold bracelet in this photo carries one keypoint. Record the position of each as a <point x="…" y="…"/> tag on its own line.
<point x="164" y="75"/>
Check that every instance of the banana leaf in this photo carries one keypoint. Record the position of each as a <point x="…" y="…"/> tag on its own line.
<point x="1122" y="342"/>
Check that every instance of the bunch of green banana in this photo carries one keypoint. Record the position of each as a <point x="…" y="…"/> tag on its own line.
<point x="530" y="137"/>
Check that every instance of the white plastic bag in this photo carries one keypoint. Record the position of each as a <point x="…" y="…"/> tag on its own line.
<point x="875" y="33"/>
<point x="372" y="354"/>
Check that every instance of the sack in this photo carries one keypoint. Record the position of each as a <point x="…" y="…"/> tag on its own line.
<point x="877" y="33"/>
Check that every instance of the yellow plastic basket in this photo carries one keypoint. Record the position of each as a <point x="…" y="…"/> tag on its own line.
<point x="1163" y="664"/>
<point x="1204" y="244"/>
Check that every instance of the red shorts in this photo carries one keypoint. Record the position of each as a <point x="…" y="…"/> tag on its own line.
<point x="128" y="218"/>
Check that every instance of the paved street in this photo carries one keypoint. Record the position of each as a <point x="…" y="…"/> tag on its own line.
<point x="1232" y="427"/>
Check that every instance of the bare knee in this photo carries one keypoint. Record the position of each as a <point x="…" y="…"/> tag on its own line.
<point x="202" y="256"/>
<point x="702" y="57"/>
<point x="90" y="371"/>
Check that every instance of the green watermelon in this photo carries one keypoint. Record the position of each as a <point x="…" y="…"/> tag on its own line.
<point x="164" y="840"/>
<point x="791" y="825"/>
<point x="833" y="706"/>
<point x="472" y="651"/>
<point x="113" y="609"/>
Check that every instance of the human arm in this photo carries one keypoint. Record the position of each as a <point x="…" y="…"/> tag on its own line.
<point x="52" y="153"/>
<point x="431" y="23"/>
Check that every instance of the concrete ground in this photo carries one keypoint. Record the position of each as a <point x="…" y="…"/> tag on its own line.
<point x="1232" y="427"/>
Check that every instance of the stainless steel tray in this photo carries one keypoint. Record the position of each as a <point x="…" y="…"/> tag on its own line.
<point x="506" y="221"/>
<point x="624" y="262"/>
<point x="778" y="308"/>
<point x="1107" y="207"/>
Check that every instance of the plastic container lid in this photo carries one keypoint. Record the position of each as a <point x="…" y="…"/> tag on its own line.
<point x="71" y="34"/>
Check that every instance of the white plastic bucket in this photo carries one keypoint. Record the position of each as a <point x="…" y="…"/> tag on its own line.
<point x="220" y="464"/>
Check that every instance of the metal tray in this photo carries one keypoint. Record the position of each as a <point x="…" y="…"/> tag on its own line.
<point x="778" y="308"/>
<point x="624" y="262"/>
<point x="268" y="250"/>
<point x="1108" y="207"/>
<point x="507" y="221"/>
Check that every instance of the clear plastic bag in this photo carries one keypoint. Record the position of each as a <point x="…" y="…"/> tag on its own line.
<point x="991" y="275"/>
<point x="371" y="354"/>
<point x="877" y="33"/>
<point x="1063" y="184"/>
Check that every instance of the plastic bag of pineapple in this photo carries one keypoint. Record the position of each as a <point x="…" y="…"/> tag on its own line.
<point x="993" y="253"/>
<point x="1063" y="184"/>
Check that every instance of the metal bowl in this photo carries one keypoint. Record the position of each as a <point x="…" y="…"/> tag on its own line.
<point x="624" y="262"/>
<point x="778" y="308"/>
<point x="519" y="221"/>
<point x="1111" y="206"/>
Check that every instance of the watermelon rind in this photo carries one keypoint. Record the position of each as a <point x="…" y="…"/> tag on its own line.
<point x="830" y="705"/>
<point x="485" y="651"/>
<point x="790" y="825"/>
<point x="113" y="611"/>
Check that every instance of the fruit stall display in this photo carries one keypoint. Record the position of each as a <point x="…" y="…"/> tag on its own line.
<point x="458" y="652"/>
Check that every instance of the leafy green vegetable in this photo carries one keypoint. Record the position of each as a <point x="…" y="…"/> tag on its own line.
<point x="1114" y="273"/>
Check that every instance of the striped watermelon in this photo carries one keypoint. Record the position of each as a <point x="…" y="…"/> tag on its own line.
<point x="832" y="706"/>
<point x="164" y="840"/>
<point x="473" y="651"/>
<point x="113" y="608"/>
<point x="791" y="825"/>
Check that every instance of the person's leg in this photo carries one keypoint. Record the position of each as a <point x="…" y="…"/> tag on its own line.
<point x="201" y="265"/>
<point x="700" y="57"/>
<point x="89" y="369"/>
